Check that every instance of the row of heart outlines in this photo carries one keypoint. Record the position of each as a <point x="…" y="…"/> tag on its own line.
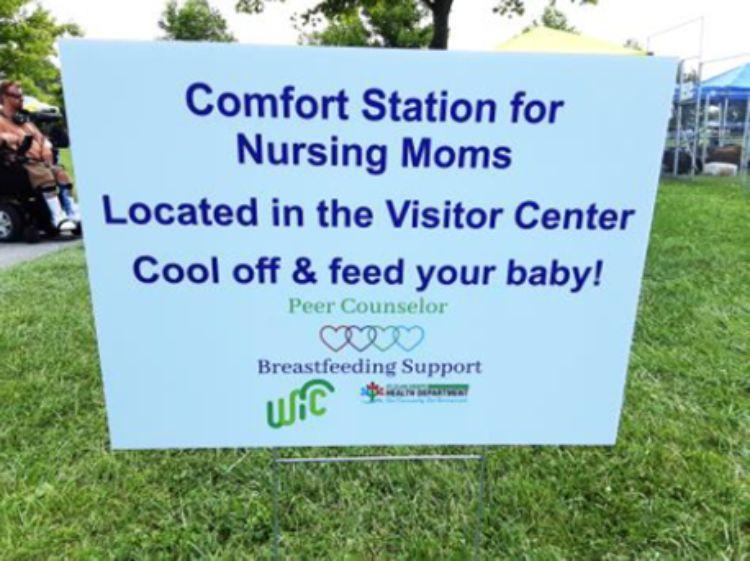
<point x="361" y="338"/>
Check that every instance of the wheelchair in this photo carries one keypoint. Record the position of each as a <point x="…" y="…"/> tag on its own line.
<point x="23" y="211"/>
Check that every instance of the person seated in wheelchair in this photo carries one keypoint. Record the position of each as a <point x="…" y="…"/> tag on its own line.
<point x="44" y="175"/>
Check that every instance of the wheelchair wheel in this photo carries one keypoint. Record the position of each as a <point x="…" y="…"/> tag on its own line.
<point x="11" y="224"/>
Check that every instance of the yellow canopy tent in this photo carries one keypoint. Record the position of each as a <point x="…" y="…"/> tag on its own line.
<point x="546" y="40"/>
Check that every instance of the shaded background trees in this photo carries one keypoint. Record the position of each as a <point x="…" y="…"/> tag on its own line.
<point x="553" y="18"/>
<point x="382" y="23"/>
<point x="27" y="47"/>
<point x="195" y="20"/>
<point x="438" y="11"/>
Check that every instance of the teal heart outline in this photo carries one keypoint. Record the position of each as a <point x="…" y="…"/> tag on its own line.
<point x="379" y="329"/>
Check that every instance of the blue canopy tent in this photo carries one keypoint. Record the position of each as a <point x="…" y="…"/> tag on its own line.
<point x="725" y="96"/>
<point x="733" y="84"/>
<point x="729" y="89"/>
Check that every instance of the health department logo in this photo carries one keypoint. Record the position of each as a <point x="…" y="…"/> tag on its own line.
<point x="373" y="337"/>
<point x="415" y="393"/>
<point x="300" y="401"/>
<point x="372" y="391"/>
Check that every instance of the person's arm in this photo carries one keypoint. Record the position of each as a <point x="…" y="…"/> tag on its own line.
<point x="8" y="136"/>
<point x="9" y="139"/>
<point x="47" y="154"/>
<point x="42" y="148"/>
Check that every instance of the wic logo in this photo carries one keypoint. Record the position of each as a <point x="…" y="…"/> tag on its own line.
<point x="300" y="401"/>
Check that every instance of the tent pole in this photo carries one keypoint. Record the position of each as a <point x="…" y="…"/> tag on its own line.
<point x="678" y="129"/>
<point x="706" y="107"/>
<point x="697" y="121"/>
<point x="744" y="153"/>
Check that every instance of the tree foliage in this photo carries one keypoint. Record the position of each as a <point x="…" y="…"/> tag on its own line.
<point x="382" y="23"/>
<point x="633" y="44"/>
<point x="553" y="18"/>
<point x="195" y="20"/>
<point x="439" y="10"/>
<point x="513" y="8"/>
<point x="27" y="47"/>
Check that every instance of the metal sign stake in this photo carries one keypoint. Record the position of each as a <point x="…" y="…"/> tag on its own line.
<point x="277" y="462"/>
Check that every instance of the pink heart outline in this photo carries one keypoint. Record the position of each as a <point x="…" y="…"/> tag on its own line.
<point x="323" y="336"/>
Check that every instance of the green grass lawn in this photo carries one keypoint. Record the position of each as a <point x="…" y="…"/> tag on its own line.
<point x="674" y="486"/>
<point x="66" y="160"/>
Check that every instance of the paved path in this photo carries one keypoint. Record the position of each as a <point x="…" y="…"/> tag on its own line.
<point x="13" y="253"/>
